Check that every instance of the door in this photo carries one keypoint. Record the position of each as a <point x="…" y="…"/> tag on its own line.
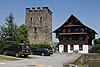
<point x="65" y="48"/>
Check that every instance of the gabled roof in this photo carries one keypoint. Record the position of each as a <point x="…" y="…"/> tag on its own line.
<point x="72" y="21"/>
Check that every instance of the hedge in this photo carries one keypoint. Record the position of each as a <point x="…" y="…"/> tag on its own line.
<point x="34" y="46"/>
<point x="4" y="44"/>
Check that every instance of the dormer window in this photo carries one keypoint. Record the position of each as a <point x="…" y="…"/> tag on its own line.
<point x="90" y="30"/>
<point x="58" y="29"/>
<point x="86" y="28"/>
<point x="76" y="20"/>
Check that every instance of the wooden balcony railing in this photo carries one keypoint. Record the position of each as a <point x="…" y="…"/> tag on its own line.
<point x="73" y="42"/>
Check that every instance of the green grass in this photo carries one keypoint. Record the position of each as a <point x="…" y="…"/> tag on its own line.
<point x="11" y="58"/>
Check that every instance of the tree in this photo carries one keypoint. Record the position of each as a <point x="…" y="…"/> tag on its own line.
<point x="9" y="30"/>
<point x="96" y="47"/>
<point x="97" y="41"/>
<point x="22" y="32"/>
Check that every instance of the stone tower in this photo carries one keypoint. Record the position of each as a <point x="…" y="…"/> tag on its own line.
<point x="39" y="25"/>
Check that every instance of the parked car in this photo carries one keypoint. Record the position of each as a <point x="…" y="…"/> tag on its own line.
<point x="51" y="50"/>
<point x="17" y="50"/>
<point x="42" y="51"/>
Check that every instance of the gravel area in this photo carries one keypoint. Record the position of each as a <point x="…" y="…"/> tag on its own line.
<point x="56" y="60"/>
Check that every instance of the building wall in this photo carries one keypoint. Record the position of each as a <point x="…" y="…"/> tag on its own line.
<point x="61" y="48"/>
<point x="73" y="32"/>
<point x="76" y="49"/>
<point x="39" y="25"/>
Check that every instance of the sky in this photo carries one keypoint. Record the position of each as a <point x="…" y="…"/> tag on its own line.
<point x="87" y="11"/>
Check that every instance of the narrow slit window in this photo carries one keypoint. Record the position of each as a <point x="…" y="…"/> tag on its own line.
<point x="31" y="19"/>
<point x="35" y="29"/>
<point x="40" y="19"/>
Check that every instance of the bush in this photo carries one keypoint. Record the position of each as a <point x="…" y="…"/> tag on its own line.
<point x="95" y="49"/>
<point x="34" y="46"/>
<point x="4" y="44"/>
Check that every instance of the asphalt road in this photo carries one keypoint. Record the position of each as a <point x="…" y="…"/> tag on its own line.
<point x="56" y="60"/>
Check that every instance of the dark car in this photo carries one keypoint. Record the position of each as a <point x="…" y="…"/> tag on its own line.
<point x="17" y="50"/>
<point x="51" y="50"/>
<point x="42" y="51"/>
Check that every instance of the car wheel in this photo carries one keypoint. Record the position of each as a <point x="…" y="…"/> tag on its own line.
<point x="42" y="54"/>
<point x="25" y="55"/>
<point x="17" y="55"/>
<point x="49" y="54"/>
<point x="5" y="53"/>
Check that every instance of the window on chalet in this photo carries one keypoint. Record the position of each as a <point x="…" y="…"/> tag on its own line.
<point x="67" y="38"/>
<point x="76" y="30"/>
<point x="69" y="30"/>
<point x="76" y="20"/>
<point x="71" y="47"/>
<point x="64" y="30"/>
<point x="80" y="38"/>
<point x="75" y="37"/>
<point x="70" y="38"/>
<point x="80" y="47"/>
<point x="58" y="29"/>
<point x="82" y="29"/>
<point x="86" y="28"/>
<point x="64" y="38"/>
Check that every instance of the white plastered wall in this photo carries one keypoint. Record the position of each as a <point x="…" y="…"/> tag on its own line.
<point x="85" y="49"/>
<point x="61" y="48"/>
<point x="76" y="48"/>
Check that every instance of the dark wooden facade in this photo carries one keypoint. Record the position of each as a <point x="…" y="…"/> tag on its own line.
<point x="73" y="32"/>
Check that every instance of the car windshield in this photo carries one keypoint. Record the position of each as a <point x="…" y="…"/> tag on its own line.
<point x="25" y="46"/>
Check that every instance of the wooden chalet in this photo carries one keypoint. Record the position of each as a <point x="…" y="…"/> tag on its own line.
<point x="74" y="36"/>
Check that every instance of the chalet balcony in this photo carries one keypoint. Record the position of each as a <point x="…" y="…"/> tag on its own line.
<point x="72" y="33"/>
<point x="73" y="42"/>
